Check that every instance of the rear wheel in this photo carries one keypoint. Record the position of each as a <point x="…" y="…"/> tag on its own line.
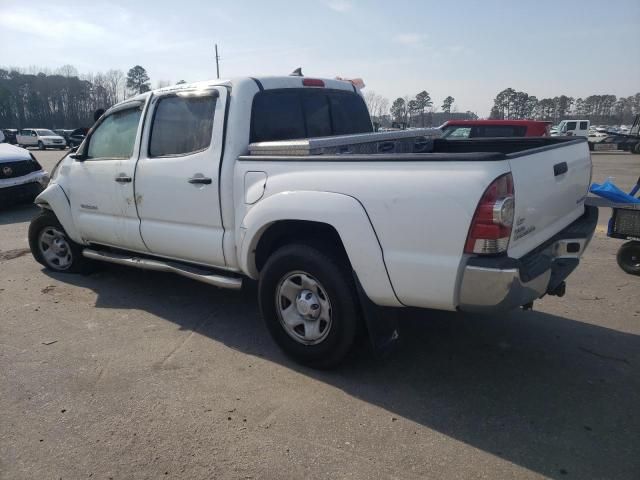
<point x="309" y="303"/>
<point x="629" y="257"/>
<point x="40" y="145"/>
<point x="636" y="149"/>
<point x="51" y="246"/>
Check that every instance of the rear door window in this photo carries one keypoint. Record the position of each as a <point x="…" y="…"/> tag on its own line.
<point x="182" y="125"/>
<point x="289" y="114"/>
<point x="584" y="125"/>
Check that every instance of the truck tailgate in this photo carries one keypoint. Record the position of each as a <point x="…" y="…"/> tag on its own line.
<point x="551" y="184"/>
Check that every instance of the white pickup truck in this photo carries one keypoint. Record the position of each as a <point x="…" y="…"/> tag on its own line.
<point x="204" y="180"/>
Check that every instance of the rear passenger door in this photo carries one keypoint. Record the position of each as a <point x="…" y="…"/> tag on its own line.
<point x="177" y="176"/>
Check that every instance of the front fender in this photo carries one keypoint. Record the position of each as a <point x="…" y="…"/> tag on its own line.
<point x="344" y="213"/>
<point x="54" y="198"/>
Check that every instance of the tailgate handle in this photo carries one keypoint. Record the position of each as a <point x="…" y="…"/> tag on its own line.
<point x="560" y="168"/>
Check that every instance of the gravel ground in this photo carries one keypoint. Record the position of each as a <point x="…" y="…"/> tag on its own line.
<point x="133" y="374"/>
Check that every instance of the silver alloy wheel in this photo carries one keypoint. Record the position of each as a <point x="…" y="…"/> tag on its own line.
<point x="55" y="248"/>
<point x="303" y="307"/>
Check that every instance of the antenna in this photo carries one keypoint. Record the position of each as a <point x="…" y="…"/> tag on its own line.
<point x="217" y="62"/>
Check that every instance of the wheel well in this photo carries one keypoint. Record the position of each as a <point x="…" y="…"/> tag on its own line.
<point x="321" y="235"/>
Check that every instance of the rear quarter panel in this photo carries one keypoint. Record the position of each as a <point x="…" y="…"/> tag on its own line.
<point x="420" y="212"/>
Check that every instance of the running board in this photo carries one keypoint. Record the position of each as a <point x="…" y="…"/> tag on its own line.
<point x="194" y="273"/>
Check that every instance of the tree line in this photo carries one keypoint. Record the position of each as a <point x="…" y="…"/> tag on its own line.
<point x="510" y="104"/>
<point x="63" y="99"/>
<point x="418" y="111"/>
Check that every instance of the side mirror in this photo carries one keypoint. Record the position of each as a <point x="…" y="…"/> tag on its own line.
<point x="74" y="149"/>
<point x="77" y="156"/>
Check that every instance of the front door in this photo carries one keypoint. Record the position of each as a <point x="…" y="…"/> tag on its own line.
<point x="101" y="189"/>
<point x="177" y="176"/>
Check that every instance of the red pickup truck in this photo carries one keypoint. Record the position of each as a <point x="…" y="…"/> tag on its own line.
<point x="461" y="129"/>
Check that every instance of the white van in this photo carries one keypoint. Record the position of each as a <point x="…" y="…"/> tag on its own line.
<point x="572" y="128"/>
<point x="41" y="138"/>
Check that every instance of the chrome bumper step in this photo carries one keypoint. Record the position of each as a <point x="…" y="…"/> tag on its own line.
<point x="195" y="273"/>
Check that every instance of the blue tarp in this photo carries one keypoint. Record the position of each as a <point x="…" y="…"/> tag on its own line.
<point x="609" y="191"/>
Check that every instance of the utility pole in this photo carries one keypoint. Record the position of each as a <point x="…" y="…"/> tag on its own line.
<point x="217" y="62"/>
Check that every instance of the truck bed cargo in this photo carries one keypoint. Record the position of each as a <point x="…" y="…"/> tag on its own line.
<point x="402" y="141"/>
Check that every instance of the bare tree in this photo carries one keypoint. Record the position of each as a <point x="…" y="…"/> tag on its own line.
<point x="115" y="86"/>
<point x="67" y="71"/>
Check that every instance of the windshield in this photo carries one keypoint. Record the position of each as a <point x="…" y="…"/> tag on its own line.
<point x="46" y="133"/>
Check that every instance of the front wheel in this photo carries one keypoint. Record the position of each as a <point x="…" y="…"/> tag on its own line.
<point x="310" y="306"/>
<point x="629" y="257"/>
<point x="51" y="246"/>
<point x="40" y="146"/>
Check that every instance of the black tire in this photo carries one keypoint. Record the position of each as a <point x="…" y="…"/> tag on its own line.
<point x="40" y="145"/>
<point x="47" y="220"/>
<point x="629" y="257"/>
<point x="636" y="149"/>
<point x="337" y="284"/>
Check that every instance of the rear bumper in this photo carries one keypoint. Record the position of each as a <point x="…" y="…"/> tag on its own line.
<point x="490" y="284"/>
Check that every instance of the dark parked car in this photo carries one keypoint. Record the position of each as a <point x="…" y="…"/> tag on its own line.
<point x="76" y="137"/>
<point x="64" y="134"/>
<point x="10" y="135"/>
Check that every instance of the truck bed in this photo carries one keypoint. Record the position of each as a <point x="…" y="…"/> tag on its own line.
<point x="409" y="147"/>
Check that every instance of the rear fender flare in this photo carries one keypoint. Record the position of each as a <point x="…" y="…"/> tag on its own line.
<point x="344" y="213"/>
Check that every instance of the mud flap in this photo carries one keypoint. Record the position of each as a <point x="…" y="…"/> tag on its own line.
<point x="381" y="322"/>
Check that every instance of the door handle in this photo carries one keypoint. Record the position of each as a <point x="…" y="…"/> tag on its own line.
<point x="123" y="179"/>
<point x="560" y="169"/>
<point x="200" y="181"/>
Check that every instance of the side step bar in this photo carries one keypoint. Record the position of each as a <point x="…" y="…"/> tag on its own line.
<point x="165" y="266"/>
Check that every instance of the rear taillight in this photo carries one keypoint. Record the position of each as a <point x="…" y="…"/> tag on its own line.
<point x="312" y="82"/>
<point x="491" y="225"/>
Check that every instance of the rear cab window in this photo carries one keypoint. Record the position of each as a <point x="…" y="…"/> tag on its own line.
<point x="288" y="114"/>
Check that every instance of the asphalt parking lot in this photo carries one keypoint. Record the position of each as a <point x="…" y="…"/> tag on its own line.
<point x="133" y="374"/>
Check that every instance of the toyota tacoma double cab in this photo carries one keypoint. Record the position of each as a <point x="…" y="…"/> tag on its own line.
<point x="282" y="180"/>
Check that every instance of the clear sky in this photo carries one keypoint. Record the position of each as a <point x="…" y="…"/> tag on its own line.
<point x="464" y="48"/>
